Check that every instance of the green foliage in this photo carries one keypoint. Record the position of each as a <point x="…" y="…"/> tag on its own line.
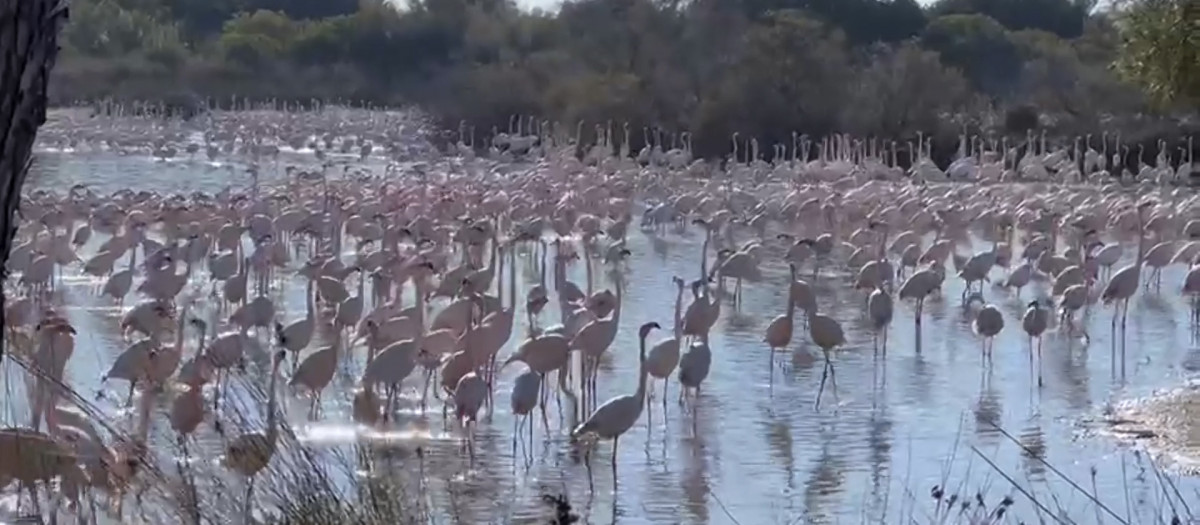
<point x="763" y="68"/>
<point x="304" y="9"/>
<point x="904" y="89"/>
<point x="1065" y="18"/>
<point x="105" y="28"/>
<point x="978" y="46"/>
<point x="862" y="21"/>
<point x="793" y="69"/>
<point x="258" y="39"/>
<point x="199" y="17"/>
<point x="1160" y="48"/>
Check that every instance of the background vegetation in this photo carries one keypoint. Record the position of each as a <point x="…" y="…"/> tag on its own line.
<point x="764" y="68"/>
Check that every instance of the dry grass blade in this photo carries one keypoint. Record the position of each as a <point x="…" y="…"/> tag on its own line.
<point x="1037" y="457"/>
<point x="1017" y="486"/>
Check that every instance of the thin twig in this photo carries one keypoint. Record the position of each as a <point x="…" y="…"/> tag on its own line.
<point x="1163" y="483"/>
<point x="1125" y="484"/>
<point x="1095" y="490"/>
<point x="1057" y="472"/>
<point x="723" y="508"/>
<point x="1017" y="486"/>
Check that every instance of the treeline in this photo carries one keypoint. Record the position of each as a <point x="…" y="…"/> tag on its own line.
<point x="763" y="68"/>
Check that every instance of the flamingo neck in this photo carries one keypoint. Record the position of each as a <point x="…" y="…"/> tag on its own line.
<point x="494" y="254"/>
<point x="587" y="265"/>
<point x="543" y="274"/>
<point x="499" y="278"/>
<point x="272" y="427"/>
<point x="310" y="311"/>
<point x="616" y="315"/>
<point x="643" y="372"/>
<point x="418" y="289"/>
<point x="512" y="282"/>
<point x="1141" y="248"/>
<point x="560" y="268"/>
<point x="143" y="428"/>
<point x="179" y="327"/>
<point x="678" y="328"/>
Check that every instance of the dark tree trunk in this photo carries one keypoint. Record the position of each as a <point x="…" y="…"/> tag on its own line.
<point x="28" y="46"/>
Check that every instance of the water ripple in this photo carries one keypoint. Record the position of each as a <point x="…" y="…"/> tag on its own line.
<point x="754" y="449"/>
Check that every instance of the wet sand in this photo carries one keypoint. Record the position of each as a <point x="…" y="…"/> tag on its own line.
<point x="1166" y="425"/>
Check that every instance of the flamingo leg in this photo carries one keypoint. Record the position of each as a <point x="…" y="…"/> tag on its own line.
<point x="832" y="378"/>
<point x="666" y="380"/>
<point x="434" y="378"/>
<point x="530" y="449"/>
<point x="1039" y="351"/>
<point x="587" y="463"/>
<point x="1124" y="315"/>
<point x="649" y="408"/>
<point x="616" y="441"/>
<point x="516" y="432"/>
<point x="771" y="366"/>
<point x="249" y="498"/>
<point x="821" y="388"/>
<point x="425" y="389"/>
<point x="1031" y="350"/>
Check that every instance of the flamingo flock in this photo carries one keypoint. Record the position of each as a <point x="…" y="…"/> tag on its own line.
<point x="409" y="274"/>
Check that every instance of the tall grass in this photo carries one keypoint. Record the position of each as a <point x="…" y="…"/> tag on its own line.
<point x="988" y="494"/>
<point x="364" y="484"/>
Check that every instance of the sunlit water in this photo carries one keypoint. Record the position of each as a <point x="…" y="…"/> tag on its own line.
<point x="755" y="450"/>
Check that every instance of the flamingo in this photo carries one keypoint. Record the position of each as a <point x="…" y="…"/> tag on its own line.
<point x="617" y="415"/>
<point x="664" y="355"/>
<point x="779" y="332"/>
<point x="1034" y="323"/>
<point x="250" y="453"/>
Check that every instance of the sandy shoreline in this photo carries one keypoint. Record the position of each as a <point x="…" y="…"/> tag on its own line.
<point x="1166" y="424"/>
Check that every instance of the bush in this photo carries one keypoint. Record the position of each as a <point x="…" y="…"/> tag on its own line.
<point x="1020" y="119"/>
<point x="763" y="68"/>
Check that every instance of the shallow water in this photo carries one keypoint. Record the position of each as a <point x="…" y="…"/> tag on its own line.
<point x="755" y="450"/>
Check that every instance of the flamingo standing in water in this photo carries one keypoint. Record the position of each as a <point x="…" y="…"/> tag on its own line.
<point x="617" y="415"/>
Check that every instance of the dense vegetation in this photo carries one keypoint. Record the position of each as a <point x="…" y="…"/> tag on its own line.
<point x="764" y="68"/>
<point x="1161" y="48"/>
